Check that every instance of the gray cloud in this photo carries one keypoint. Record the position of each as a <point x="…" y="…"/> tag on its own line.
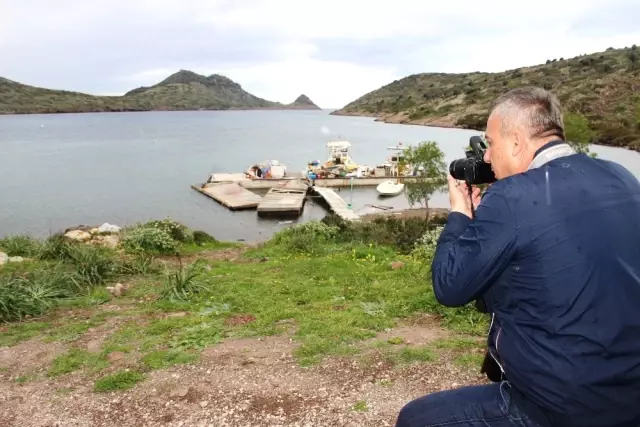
<point x="102" y="46"/>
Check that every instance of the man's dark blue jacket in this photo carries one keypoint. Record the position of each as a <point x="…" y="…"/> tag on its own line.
<point x="555" y="253"/>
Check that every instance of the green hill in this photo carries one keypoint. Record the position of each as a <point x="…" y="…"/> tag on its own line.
<point x="184" y="90"/>
<point x="600" y="93"/>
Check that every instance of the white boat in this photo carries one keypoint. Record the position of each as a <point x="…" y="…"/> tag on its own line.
<point x="390" y="188"/>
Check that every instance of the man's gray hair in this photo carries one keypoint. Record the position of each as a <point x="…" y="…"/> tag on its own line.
<point x="536" y="110"/>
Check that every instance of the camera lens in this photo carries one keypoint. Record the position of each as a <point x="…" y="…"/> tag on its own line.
<point x="457" y="168"/>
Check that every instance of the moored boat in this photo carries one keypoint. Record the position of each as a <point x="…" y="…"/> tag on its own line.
<point x="390" y="188"/>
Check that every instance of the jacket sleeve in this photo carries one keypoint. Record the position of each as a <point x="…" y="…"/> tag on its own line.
<point x="472" y="253"/>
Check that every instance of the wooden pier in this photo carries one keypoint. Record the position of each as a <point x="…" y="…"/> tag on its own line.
<point x="336" y="203"/>
<point x="231" y="195"/>
<point x="283" y="201"/>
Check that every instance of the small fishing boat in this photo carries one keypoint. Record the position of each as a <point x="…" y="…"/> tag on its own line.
<point x="390" y="188"/>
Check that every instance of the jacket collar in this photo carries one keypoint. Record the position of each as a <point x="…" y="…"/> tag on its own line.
<point x="551" y="151"/>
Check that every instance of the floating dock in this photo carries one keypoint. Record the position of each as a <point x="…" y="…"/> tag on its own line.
<point x="336" y="203"/>
<point x="231" y="195"/>
<point x="286" y="200"/>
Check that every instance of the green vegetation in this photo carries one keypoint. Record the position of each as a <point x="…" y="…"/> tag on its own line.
<point x="184" y="90"/>
<point x="330" y="284"/>
<point x="428" y="158"/>
<point x="600" y="94"/>
<point x="120" y="381"/>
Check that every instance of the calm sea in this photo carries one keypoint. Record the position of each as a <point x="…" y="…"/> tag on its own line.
<point x="121" y="168"/>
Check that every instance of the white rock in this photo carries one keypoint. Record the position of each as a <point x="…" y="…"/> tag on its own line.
<point x="109" y="228"/>
<point x="16" y="259"/>
<point x="111" y="242"/>
<point x="79" y="235"/>
<point x="4" y="258"/>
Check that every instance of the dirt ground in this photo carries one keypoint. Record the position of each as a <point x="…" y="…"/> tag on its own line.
<point x="239" y="382"/>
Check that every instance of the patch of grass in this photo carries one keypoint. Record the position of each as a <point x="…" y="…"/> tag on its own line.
<point x="470" y="359"/>
<point x="123" y="380"/>
<point x="76" y="359"/>
<point x="35" y="292"/>
<point x="20" y="245"/>
<point x="458" y="344"/>
<point x="396" y="340"/>
<point x="26" y="378"/>
<point x="361" y="406"/>
<point x="165" y="358"/>
<point x="94" y="264"/>
<point x="15" y="333"/>
<point x="413" y="355"/>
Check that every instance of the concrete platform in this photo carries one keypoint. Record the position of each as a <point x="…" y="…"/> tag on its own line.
<point x="283" y="201"/>
<point x="231" y="195"/>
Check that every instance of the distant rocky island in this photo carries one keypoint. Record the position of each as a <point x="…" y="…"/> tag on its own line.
<point x="184" y="90"/>
<point x="600" y="93"/>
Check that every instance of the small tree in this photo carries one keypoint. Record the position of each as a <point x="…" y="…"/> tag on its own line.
<point x="578" y="132"/>
<point x="430" y="169"/>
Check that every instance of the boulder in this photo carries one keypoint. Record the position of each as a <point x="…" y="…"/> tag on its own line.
<point x="107" y="228"/>
<point x="79" y="235"/>
<point x="16" y="259"/>
<point x="78" y="227"/>
<point x="4" y="258"/>
<point x="117" y="290"/>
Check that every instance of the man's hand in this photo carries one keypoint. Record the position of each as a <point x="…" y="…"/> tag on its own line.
<point x="459" y="197"/>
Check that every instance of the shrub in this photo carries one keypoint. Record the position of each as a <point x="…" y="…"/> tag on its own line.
<point x="201" y="238"/>
<point x="176" y="230"/>
<point x="152" y="240"/>
<point x="425" y="247"/>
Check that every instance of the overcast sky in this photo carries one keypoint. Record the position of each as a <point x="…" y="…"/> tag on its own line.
<point x="332" y="50"/>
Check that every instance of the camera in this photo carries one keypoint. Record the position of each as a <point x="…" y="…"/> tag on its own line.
<point x="473" y="169"/>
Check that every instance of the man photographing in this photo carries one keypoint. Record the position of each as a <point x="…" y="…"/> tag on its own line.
<point x="553" y="251"/>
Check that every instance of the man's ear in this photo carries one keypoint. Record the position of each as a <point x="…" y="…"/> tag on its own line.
<point x="519" y="144"/>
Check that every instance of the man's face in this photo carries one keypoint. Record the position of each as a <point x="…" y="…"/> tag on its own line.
<point x="501" y="151"/>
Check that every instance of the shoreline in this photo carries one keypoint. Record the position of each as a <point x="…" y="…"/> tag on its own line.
<point x="442" y="122"/>
<point x="284" y="108"/>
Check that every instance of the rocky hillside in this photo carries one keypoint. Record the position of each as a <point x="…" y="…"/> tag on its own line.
<point x="184" y="90"/>
<point x="600" y="93"/>
<point x="303" y="103"/>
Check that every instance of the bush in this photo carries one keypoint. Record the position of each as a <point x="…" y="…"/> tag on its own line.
<point x="399" y="233"/>
<point x="425" y="247"/>
<point x="152" y="240"/>
<point x="201" y="238"/>
<point x="176" y="230"/>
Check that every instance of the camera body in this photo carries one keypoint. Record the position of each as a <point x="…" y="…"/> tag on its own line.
<point x="473" y="169"/>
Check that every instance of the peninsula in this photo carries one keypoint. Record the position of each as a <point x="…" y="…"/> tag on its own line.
<point x="600" y="93"/>
<point x="184" y="90"/>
